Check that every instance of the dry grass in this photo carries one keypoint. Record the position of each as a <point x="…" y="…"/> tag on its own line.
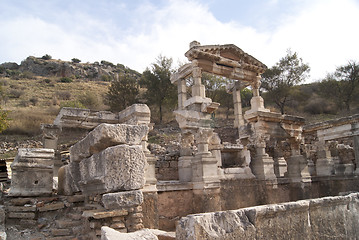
<point x="47" y="93"/>
<point x="27" y="121"/>
<point x="26" y="116"/>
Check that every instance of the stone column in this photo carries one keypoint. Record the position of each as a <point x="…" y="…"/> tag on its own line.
<point x="204" y="165"/>
<point x="206" y="183"/>
<point x="182" y="93"/>
<point x="280" y="165"/>
<point x="198" y="89"/>
<point x="215" y="148"/>
<point x="257" y="102"/>
<point x="297" y="164"/>
<point x="50" y="135"/>
<point x="185" y="160"/>
<point x="263" y="165"/>
<point x="237" y="102"/>
<point x="324" y="164"/>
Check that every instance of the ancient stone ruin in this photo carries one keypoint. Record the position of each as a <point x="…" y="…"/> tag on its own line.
<point x="112" y="186"/>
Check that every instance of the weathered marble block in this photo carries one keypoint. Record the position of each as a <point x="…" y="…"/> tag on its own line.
<point x="108" y="233"/>
<point x="116" y="168"/>
<point x="32" y="172"/>
<point x="323" y="218"/>
<point x="135" y="114"/>
<point x="122" y="199"/>
<point x="107" y="135"/>
<point x="69" y="178"/>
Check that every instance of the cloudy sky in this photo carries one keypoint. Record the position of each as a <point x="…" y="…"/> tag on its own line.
<point x="134" y="32"/>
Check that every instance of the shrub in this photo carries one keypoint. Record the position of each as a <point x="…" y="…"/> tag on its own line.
<point x="46" y="57"/>
<point x="319" y="106"/>
<point x="76" y="60"/>
<point x="14" y="74"/>
<point x="107" y="63"/>
<point x="27" y="75"/>
<point x="24" y="103"/>
<point x="106" y="78"/>
<point x="65" y="80"/>
<point x="72" y="104"/>
<point x="89" y="100"/>
<point x="55" y="101"/>
<point x="63" y="95"/>
<point x="15" y="93"/>
<point x="4" y="121"/>
<point x="3" y="82"/>
<point x="34" y="101"/>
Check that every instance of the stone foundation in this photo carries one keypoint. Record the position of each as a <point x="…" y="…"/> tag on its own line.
<point x="176" y="200"/>
<point x="68" y="217"/>
<point x="324" y="218"/>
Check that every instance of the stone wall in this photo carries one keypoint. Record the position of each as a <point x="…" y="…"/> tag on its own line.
<point x="67" y="217"/>
<point x="176" y="200"/>
<point x="101" y="186"/>
<point x="323" y="218"/>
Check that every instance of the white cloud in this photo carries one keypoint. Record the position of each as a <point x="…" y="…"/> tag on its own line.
<point x="323" y="33"/>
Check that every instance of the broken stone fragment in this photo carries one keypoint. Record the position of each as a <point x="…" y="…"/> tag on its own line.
<point x="107" y="135"/>
<point x="135" y="114"/>
<point x="122" y="199"/>
<point x="117" y="168"/>
<point x="69" y="178"/>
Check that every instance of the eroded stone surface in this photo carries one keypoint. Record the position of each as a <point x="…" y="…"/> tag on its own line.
<point x="111" y="234"/>
<point x="107" y="135"/>
<point x="117" y="168"/>
<point x="135" y="114"/>
<point x="32" y="172"/>
<point x="122" y="199"/>
<point x="310" y="219"/>
<point x="69" y="178"/>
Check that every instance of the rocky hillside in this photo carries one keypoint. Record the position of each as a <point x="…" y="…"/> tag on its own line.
<point x="47" y="67"/>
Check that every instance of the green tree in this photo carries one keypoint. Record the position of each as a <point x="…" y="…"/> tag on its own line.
<point x="46" y="57"/>
<point x="214" y="85"/>
<point x="342" y="84"/>
<point x="160" y="91"/>
<point x="75" y="60"/>
<point x="122" y="92"/>
<point x="279" y="79"/>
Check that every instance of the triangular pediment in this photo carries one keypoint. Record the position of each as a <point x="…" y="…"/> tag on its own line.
<point x="230" y="52"/>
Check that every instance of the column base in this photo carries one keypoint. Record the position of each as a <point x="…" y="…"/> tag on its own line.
<point x="298" y="169"/>
<point x="263" y="167"/>
<point x="185" y="168"/>
<point x="325" y="167"/>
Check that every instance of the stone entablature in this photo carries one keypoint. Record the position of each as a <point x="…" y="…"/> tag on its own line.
<point x="88" y="119"/>
<point x="84" y="118"/>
